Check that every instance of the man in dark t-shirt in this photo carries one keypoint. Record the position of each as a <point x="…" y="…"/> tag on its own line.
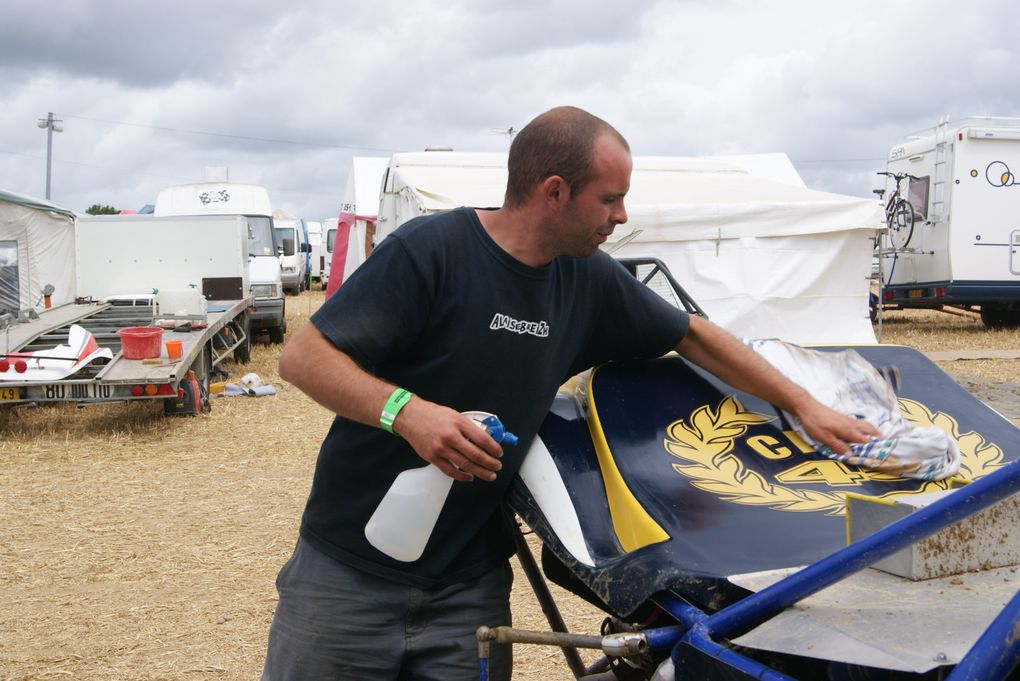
<point x="487" y="310"/>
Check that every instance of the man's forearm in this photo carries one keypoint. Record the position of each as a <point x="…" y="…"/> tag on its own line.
<point x="437" y="433"/>
<point x="723" y="355"/>
<point x="329" y="376"/>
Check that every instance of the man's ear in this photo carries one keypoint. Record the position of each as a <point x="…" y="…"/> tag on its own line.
<point x="555" y="191"/>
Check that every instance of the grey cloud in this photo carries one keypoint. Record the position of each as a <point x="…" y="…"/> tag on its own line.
<point x="140" y="44"/>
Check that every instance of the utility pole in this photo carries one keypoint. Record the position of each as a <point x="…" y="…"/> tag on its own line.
<point x="52" y="125"/>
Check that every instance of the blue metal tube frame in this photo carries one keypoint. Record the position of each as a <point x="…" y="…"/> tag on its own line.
<point x="748" y="613"/>
<point x="997" y="652"/>
<point x="700" y="638"/>
<point x="992" y="656"/>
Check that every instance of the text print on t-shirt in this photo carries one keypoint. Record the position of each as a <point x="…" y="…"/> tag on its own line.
<point x="503" y="322"/>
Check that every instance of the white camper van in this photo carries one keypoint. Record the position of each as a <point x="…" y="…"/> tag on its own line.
<point x="291" y="239"/>
<point x="315" y="250"/>
<point x="963" y="246"/>
<point x="329" y="230"/>
<point x="218" y="196"/>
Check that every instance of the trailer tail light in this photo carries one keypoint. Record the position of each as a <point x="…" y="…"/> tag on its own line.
<point x="887" y="296"/>
<point x="940" y="292"/>
<point x="137" y="391"/>
<point x="21" y="366"/>
<point x="150" y="390"/>
<point x="322" y="262"/>
<point x="4" y="365"/>
<point x="166" y="390"/>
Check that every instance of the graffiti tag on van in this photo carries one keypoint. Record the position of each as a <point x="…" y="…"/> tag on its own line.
<point x="221" y="196"/>
<point x="897" y="152"/>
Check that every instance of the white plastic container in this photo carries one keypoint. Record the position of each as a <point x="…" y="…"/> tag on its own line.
<point x="404" y="520"/>
<point x="180" y="302"/>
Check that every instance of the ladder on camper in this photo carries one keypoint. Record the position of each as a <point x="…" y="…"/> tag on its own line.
<point x="939" y="209"/>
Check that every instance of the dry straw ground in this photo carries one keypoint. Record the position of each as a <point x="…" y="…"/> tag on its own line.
<point x="134" y="546"/>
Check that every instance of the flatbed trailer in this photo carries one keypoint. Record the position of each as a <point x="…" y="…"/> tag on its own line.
<point x="224" y="330"/>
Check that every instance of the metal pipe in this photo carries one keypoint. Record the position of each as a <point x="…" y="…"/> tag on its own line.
<point x="699" y="637"/>
<point x="664" y="637"/>
<point x="685" y="613"/>
<point x="997" y="652"/>
<point x="545" y="598"/>
<point x="759" y="607"/>
<point x="622" y="644"/>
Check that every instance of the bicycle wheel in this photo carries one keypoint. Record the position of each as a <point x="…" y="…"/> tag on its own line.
<point x="900" y="219"/>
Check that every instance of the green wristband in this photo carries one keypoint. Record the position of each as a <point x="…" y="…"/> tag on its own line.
<point x="398" y="398"/>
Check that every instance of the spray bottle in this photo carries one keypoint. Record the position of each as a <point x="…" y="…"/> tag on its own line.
<point x="404" y="520"/>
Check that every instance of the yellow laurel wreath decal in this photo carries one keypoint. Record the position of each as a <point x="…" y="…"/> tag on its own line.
<point x="978" y="457"/>
<point x="706" y="442"/>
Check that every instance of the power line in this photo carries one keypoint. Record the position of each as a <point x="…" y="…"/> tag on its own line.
<point x="118" y="170"/>
<point x="227" y="135"/>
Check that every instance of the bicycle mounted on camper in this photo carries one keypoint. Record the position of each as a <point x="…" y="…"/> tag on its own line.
<point x="899" y="212"/>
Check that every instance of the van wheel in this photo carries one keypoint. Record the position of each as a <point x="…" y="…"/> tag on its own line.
<point x="999" y="315"/>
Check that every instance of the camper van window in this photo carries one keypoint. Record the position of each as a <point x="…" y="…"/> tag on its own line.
<point x="260" y="236"/>
<point x="330" y="240"/>
<point x="285" y="237"/>
<point x="10" y="287"/>
<point x="917" y="194"/>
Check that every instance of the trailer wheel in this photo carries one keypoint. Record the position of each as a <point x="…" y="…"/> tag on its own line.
<point x="999" y="315"/>
<point x="242" y="353"/>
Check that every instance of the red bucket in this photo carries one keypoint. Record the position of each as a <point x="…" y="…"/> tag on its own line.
<point x="141" y="342"/>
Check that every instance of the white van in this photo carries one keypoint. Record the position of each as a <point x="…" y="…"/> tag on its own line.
<point x="218" y="196"/>
<point x="329" y="227"/>
<point x="291" y="240"/>
<point x="963" y="246"/>
<point x="315" y="250"/>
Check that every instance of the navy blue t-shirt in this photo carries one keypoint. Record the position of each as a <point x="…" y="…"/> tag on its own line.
<point x="441" y="310"/>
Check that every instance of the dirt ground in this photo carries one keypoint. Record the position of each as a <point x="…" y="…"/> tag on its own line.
<point x="134" y="546"/>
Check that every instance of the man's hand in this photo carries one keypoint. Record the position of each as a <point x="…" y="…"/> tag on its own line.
<point x="831" y="428"/>
<point x="449" y="440"/>
<point x="720" y="353"/>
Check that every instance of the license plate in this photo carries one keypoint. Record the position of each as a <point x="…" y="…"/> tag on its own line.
<point x="10" y="394"/>
<point x="916" y="292"/>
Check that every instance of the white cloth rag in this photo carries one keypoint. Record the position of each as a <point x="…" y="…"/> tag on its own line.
<point x="848" y="383"/>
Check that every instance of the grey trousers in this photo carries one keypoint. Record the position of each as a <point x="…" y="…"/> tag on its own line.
<point x="338" y="623"/>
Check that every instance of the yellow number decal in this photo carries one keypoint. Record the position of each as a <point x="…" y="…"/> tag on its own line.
<point x="828" y="472"/>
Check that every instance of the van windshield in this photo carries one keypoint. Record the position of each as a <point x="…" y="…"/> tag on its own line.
<point x="285" y="237"/>
<point x="260" y="236"/>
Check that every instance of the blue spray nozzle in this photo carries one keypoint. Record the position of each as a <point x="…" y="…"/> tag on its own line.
<point x="498" y="433"/>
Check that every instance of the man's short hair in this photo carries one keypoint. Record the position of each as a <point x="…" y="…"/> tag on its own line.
<point x="561" y="142"/>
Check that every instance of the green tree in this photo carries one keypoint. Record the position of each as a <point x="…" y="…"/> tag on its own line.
<point x="99" y="209"/>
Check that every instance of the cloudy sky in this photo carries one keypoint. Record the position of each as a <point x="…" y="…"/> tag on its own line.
<point x="285" y="93"/>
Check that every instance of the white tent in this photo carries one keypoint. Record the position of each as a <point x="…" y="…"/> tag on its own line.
<point x="763" y="258"/>
<point x="356" y="227"/>
<point x="36" y="250"/>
